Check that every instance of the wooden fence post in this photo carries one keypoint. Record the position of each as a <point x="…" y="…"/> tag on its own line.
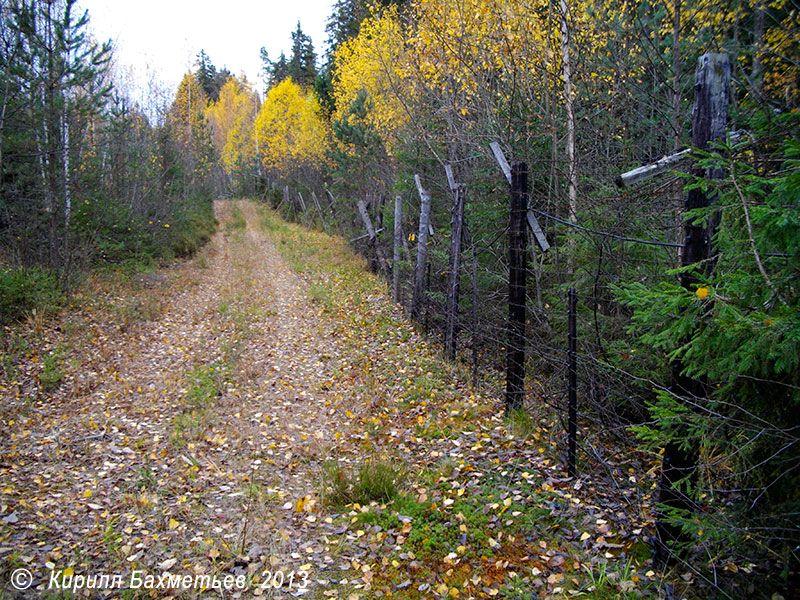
<point x="398" y="242"/>
<point x="331" y="202"/>
<point x="422" y="248"/>
<point x="518" y="265"/>
<point x="319" y="211"/>
<point x="456" y="230"/>
<point x="536" y="229"/>
<point x="373" y="236"/>
<point x="468" y="239"/>
<point x="709" y="121"/>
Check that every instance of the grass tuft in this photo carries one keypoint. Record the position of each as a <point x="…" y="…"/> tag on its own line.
<point x="373" y="481"/>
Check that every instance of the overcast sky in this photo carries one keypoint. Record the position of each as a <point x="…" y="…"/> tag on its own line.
<point x="165" y="36"/>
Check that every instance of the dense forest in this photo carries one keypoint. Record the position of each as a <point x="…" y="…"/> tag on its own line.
<point x="697" y="359"/>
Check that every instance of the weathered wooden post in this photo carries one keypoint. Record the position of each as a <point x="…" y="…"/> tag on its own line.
<point x="373" y="236"/>
<point x="331" y="202"/>
<point x="533" y="223"/>
<point x="517" y="176"/>
<point x="398" y="242"/>
<point x="285" y="197"/>
<point x="422" y="248"/>
<point x="456" y="229"/>
<point x="709" y="121"/>
<point x="426" y="323"/>
<point x="319" y="211"/>
<point x="517" y="286"/>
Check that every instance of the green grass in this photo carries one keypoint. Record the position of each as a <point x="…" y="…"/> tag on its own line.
<point x="52" y="374"/>
<point x="237" y="222"/>
<point x="145" y="479"/>
<point x="319" y="294"/>
<point x="521" y="423"/>
<point x="372" y="481"/>
<point x="188" y="426"/>
<point x="190" y="230"/>
<point x="13" y="349"/>
<point x="206" y="383"/>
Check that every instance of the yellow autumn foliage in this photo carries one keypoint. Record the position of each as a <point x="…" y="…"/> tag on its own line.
<point x="291" y="131"/>
<point x="458" y="45"/>
<point x="374" y="61"/>
<point x="232" y="120"/>
<point x="186" y="117"/>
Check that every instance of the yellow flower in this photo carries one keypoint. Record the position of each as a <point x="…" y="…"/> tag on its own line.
<point x="702" y="292"/>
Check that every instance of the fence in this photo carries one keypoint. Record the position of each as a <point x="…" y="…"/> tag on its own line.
<point x="514" y="285"/>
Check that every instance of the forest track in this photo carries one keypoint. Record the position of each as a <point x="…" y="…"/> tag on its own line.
<point x="188" y="436"/>
<point x="264" y="408"/>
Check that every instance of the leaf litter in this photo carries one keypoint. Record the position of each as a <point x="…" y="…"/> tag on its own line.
<point x="196" y="437"/>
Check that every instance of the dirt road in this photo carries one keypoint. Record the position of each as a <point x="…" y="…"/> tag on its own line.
<point x="186" y="428"/>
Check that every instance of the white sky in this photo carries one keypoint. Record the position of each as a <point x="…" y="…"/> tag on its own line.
<point x="163" y="37"/>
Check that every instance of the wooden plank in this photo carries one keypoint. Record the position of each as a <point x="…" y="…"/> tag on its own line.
<point x="536" y="230"/>
<point x="665" y="163"/>
<point x="645" y="172"/>
<point x="302" y="202"/>
<point x="331" y="202"/>
<point x="422" y="248"/>
<point x="501" y="160"/>
<point x="362" y="210"/>
<point x="572" y="380"/>
<point x="364" y="235"/>
<point x="533" y="223"/>
<point x="451" y="180"/>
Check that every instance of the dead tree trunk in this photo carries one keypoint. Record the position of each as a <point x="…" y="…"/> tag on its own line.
<point x="709" y="121"/>
<point x="422" y="248"/>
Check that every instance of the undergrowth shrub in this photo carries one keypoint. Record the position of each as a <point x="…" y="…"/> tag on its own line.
<point x="24" y="289"/>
